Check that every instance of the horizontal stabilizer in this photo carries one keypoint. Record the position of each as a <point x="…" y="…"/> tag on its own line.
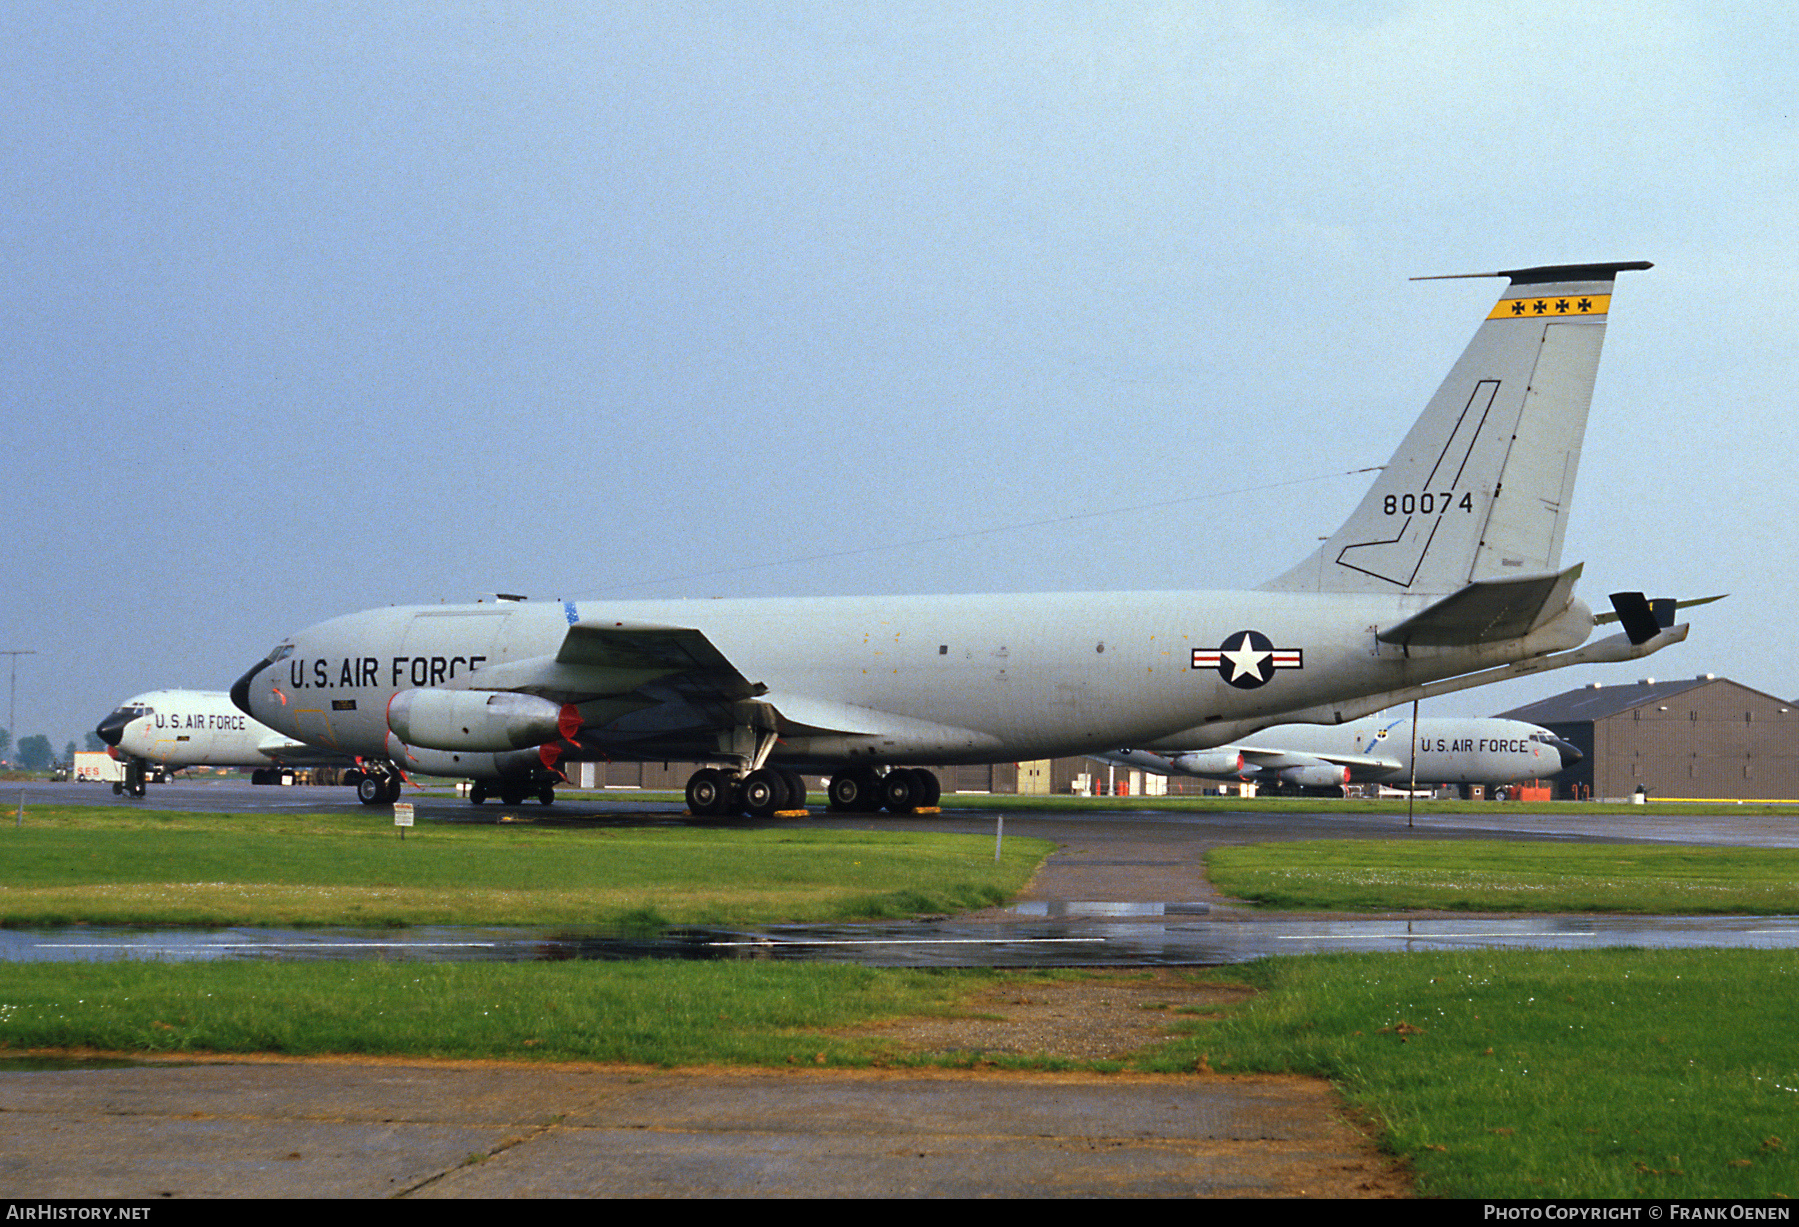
<point x="1664" y="609"/>
<point x="1487" y="611"/>
<point x="1640" y="619"/>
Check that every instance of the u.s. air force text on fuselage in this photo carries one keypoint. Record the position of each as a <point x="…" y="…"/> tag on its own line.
<point x="364" y="672"/>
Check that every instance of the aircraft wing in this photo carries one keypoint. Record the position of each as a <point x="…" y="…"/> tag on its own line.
<point x="1361" y="766"/>
<point x="613" y="660"/>
<point x="287" y="752"/>
<point x="1487" y="611"/>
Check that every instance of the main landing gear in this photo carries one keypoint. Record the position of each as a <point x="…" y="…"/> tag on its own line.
<point x="903" y="790"/>
<point x="377" y="786"/>
<point x="715" y="793"/>
<point x="755" y="788"/>
<point x="513" y="792"/>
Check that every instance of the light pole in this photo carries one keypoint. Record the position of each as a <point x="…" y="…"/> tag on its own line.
<point x="12" y="689"/>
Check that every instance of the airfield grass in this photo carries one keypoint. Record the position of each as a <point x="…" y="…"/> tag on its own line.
<point x="1527" y="1074"/>
<point x="663" y="1013"/>
<point x="1535" y="1074"/>
<point x="1500" y="876"/>
<point x="104" y="865"/>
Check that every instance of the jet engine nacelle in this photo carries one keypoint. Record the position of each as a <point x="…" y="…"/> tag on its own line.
<point x="473" y="721"/>
<point x="475" y="765"/>
<point x="1209" y="762"/>
<point x="1325" y="775"/>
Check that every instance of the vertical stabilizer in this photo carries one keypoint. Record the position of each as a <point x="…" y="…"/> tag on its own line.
<point x="1481" y="487"/>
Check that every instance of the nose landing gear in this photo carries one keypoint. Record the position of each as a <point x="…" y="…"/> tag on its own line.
<point x="133" y="783"/>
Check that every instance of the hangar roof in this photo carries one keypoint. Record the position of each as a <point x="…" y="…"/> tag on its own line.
<point x="1600" y="702"/>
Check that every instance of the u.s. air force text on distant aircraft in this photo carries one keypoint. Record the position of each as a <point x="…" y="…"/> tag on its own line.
<point x="355" y="671"/>
<point x="214" y="721"/>
<point x="1475" y="745"/>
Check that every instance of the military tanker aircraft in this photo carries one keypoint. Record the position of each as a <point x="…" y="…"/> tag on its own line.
<point x="1298" y="757"/>
<point x="1448" y="574"/>
<point x="200" y="728"/>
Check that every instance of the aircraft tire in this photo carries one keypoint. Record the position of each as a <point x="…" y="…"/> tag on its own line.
<point x="930" y="790"/>
<point x="899" y="791"/>
<point x="512" y="794"/>
<point x="371" y="790"/>
<point x="391" y="792"/>
<point x="796" y="790"/>
<point x="764" y="792"/>
<point x="856" y="791"/>
<point x="708" y="793"/>
<point x="137" y="789"/>
<point x="477" y="792"/>
<point x="118" y="789"/>
<point x="547" y="794"/>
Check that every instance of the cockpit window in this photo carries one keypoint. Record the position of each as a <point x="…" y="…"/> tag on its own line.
<point x="282" y="652"/>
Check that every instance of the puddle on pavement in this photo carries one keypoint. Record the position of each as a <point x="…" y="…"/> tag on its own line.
<point x="1053" y="934"/>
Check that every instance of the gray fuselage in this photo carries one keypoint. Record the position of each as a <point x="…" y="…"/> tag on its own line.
<point x="920" y="679"/>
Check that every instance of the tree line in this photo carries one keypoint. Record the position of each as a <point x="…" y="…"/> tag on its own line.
<point x="35" y="753"/>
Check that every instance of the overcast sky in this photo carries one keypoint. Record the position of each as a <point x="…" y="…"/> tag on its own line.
<point x="313" y="307"/>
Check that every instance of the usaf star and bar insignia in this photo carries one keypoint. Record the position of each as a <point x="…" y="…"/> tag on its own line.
<point x="1248" y="659"/>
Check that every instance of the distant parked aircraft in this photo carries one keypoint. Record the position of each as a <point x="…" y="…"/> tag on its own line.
<point x="199" y="728"/>
<point x="1299" y="756"/>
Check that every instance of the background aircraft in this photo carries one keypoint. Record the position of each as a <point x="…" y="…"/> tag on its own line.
<point x="1448" y="574"/>
<point x="1299" y="756"/>
<point x="200" y="728"/>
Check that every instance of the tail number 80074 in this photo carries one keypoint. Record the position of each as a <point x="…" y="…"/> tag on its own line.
<point x="1425" y="504"/>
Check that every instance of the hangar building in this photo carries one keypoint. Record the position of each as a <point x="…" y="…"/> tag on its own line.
<point x="1702" y="737"/>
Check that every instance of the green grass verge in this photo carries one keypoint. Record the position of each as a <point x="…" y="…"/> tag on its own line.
<point x="654" y="1013"/>
<point x="1530" y="1074"/>
<point x="106" y="865"/>
<point x="1495" y="876"/>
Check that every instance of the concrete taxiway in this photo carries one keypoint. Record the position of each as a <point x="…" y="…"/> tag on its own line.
<point x="366" y="1129"/>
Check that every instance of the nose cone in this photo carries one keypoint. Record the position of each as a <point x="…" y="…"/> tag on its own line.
<point x="112" y="729"/>
<point x="1567" y="749"/>
<point x="240" y="690"/>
